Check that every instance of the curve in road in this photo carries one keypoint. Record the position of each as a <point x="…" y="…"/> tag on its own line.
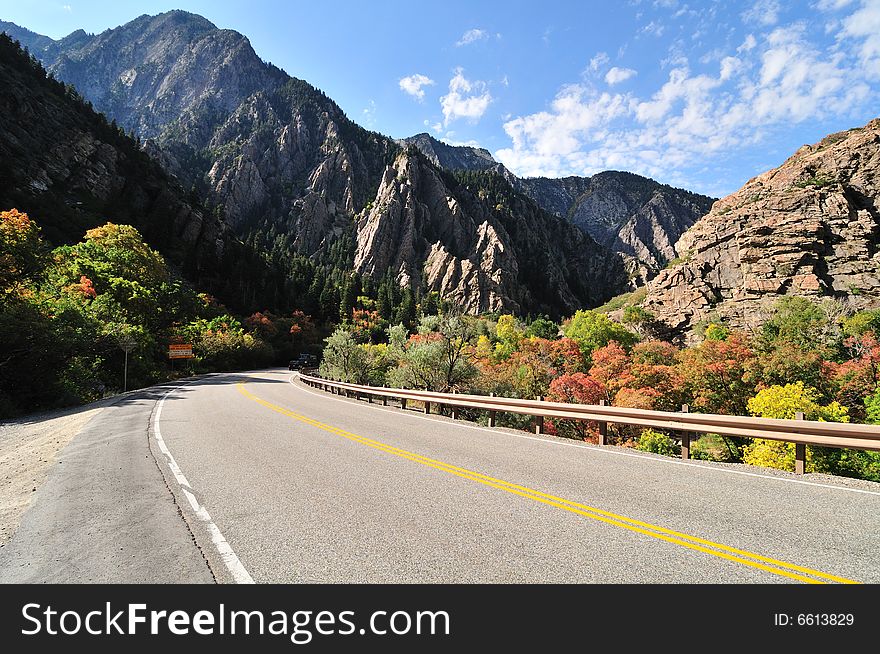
<point x="306" y="487"/>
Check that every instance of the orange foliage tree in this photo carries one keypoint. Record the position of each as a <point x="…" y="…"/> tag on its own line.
<point x="577" y="388"/>
<point x="20" y="250"/>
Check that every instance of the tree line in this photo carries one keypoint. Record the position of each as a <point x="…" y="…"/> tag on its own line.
<point x="819" y="358"/>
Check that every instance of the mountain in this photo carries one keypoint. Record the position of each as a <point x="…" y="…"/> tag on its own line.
<point x="294" y="176"/>
<point x="633" y="215"/>
<point x="810" y="228"/>
<point x="451" y="157"/>
<point x="636" y="217"/>
<point x="476" y="240"/>
<point x="71" y="171"/>
<point x="28" y="39"/>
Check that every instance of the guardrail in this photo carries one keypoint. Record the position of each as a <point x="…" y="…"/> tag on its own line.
<point x="801" y="432"/>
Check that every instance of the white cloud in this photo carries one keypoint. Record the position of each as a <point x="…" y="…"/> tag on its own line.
<point x="675" y="57"/>
<point x="471" y="36"/>
<point x="864" y="26"/>
<point x="598" y="62"/>
<point x="550" y="142"/>
<point x="369" y="114"/>
<point x="763" y="12"/>
<point x="749" y="44"/>
<point x="832" y="5"/>
<point x="694" y="120"/>
<point x="413" y="84"/>
<point x="466" y="99"/>
<point x="654" y="28"/>
<point x="67" y="8"/>
<point x="617" y="75"/>
<point x="466" y="144"/>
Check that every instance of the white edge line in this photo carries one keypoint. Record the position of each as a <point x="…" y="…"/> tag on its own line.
<point x="591" y="448"/>
<point x="224" y="549"/>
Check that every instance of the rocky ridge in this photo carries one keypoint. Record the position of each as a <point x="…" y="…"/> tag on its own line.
<point x="810" y="228"/>
<point x="482" y="245"/>
<point x="634" y="216"/>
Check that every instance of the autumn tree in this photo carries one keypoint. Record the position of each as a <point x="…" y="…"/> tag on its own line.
<point x="438" y="360"/>
<point x="577" y="388"/>
<point x="592" y="330"/>
<point x="783" y="403"/>
<point x="715" y="375"/>
<point x="508" y="332"/>
<point x="22" y="252"/>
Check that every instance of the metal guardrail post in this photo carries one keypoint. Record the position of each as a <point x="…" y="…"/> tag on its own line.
<point x="491" y="413"/>
<point x="453" y="410"/>
<point x="403" y="403"/>
<point x="384" y="400"/>
<point x="603" y="427"/>
<point x="685" y="437"/>
<point x="800" y="451"/>
<point x="539" y="420"/>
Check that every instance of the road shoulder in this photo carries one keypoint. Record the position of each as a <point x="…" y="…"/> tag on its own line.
<point x="104" y="513"/>
<point x="29" y="449"/>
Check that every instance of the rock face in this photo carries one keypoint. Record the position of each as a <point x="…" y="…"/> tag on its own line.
<point x="480" y="243"/>
<point x="71" y="171"/>
<point x="451" y="157"/>
<point x="636" y="217"/>
<point x="810" y="227"/>
<point x="284" y="163"/>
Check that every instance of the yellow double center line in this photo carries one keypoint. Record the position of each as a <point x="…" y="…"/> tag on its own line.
<point x="743" y="557"/>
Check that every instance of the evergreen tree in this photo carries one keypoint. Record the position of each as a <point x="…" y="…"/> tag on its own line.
<point x="348" y="298"/>
<point x="385" y="300"/>
<point x="329" y="302"/>
<point x="406" y="312"/>
<point x="431" y="304"/>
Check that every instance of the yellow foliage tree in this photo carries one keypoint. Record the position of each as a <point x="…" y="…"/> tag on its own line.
<point x="783" y="403"/>
<point x="509" y="335"/>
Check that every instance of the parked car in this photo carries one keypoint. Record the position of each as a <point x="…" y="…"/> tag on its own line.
<point x="304" y="360"/>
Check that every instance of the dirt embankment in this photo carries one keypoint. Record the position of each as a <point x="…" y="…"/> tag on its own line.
<point x="29" y="447"/>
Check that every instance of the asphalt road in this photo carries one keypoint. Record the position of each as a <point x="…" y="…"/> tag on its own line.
<point x="250" y="476"/>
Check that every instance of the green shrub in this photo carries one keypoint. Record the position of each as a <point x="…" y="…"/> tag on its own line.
<point x="716" y="332"/>
<point x="700" y="451"/>
<point x="658" y="443"/>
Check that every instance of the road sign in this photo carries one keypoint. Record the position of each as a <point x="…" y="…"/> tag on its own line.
<point x="127" y="342"/>
<point x="180" y="351"/>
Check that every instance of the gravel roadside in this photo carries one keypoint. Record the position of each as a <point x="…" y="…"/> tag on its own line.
<point x="29" y="447"/>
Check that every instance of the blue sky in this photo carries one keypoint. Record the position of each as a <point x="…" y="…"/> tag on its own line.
<point x="698" y="94"/>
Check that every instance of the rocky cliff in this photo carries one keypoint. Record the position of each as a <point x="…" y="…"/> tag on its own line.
<point x="451" y="157"/>
<point x="477" y="241"/>
<point x="636" y="217"/>
<point x="810" y="227"/>
<point x="70" y="170"/>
